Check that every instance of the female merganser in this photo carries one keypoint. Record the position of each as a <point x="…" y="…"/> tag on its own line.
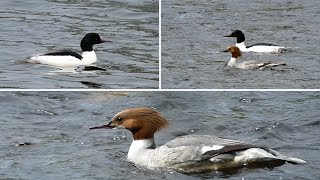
<point x="70" y="58"/>
<point x="260" y="47"/>
<point x="190" y="153"/>
<point x="236" y="53"/>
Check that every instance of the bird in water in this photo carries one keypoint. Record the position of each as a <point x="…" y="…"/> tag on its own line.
<point x="67" y="58"/>
<point x="190" y="153"/>
<point x="236" y="54"/>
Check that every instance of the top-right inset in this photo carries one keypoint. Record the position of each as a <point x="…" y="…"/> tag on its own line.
<point x="240" y="44"/>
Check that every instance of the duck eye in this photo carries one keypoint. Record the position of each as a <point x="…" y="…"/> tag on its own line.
<point x="119" y="119"/>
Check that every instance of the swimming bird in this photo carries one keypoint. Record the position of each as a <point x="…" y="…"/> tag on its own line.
<point x="69" y="58"/>
<point x="236" y="53"/>
<point x="190" y="153"/>
<point x="260" y="47"/>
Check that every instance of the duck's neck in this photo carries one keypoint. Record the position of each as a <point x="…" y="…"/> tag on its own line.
<point x="241" y="46"/>
<point x="232" y="62"/>
<point x="89" y="57"/>
<point x="137" y="146"/>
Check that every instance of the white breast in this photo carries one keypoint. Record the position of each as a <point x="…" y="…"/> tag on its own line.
<point x="242" y="47"/>
<point x="268" y="49"/>
<point x="65" y="61"/>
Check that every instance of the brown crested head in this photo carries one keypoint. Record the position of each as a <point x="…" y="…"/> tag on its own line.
<point x="234" y="50"/>
<point x="142" y="122"/>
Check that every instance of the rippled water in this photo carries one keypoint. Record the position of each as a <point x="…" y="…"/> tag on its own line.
<point x="45" y="135"/>
<point x="192" y="41"/>
<point x="33" y="27"/>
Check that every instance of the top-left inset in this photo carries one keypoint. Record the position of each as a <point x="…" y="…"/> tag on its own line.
<point x="79" y="44"/>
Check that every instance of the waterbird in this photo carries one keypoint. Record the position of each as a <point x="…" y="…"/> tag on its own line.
<point x="67" y="59"/>
<point x="189" y="153"/>
<point x="236" y="54"/>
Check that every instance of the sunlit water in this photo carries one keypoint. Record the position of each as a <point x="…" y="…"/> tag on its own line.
<point x="46" y="135"/>
<point x="192" y="41"/>
<point x="33" y="27"/>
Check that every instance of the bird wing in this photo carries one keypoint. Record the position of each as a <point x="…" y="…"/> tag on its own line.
<point x="64" y="53"/>
<point x="207" y="146"/>
<point x="270" y="64"/>
<point x="200" y="140"/>
<point x="249" y="63"/>
<point x="261" y="44"/>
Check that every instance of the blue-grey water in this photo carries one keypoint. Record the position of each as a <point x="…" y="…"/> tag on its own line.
<point x="45" y="135"/>
<point x="30" y="27"/>
<point x="192" y="41"/>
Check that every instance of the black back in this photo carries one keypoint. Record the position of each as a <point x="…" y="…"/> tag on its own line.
<point x="261" y="44"/>
<point x="89" y="40"/>
<point x="65" y="53"/>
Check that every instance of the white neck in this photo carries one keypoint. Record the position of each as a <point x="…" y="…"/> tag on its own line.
<point x="242" y="46"/>
<point x="232" y="62"/>
<point x="88" y="57"/>
<point x="137" y="146"/>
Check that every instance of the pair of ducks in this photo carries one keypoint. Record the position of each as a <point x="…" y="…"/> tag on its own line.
<point x="190" y="153"/>
<point x="73" y="59"/>
<point x="260" y="48"/>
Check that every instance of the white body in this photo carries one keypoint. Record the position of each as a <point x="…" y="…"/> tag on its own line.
<point x="88" y="57"/>
<point x="185" y="153"/>
<point x="261" y="48"/>
<point x="244" y="65"/>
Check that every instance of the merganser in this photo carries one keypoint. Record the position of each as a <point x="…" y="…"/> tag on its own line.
<point x="190" y="153"/>
<point x="260" y="47"/>
<point x="70" y="58"/>
<point x="236" y="53"/>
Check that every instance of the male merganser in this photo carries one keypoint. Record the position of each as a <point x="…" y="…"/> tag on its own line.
<point x="260" y="47"/>
<point x="190" y="153"/>
<point x="70" y="58"/>
<point x="236" y="53"/>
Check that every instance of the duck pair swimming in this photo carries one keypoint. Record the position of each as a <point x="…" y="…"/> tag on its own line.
<point x="66" y="59"/>
<point x="72" y="59"/>
<point x="261" y="48"/>
<point x="190" y="153"/>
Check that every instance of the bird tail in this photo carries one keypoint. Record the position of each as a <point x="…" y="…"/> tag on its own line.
<point x="276" y="64"/>
<point x="270" y="64"/>
<point x="286" y="158"/>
